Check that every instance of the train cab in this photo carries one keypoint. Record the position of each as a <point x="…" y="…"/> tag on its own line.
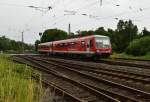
<point x="102" y="45"/>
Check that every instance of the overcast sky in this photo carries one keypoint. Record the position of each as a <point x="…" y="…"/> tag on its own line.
<point x="17" y="17"/>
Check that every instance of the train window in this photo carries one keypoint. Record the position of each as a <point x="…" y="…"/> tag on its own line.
<point x="45" y="46"/>
<point x="83" y="43"/>
<point x="50" y="45"/>
<point x="72" y="44"/>
<point x="58" y="45"/>
<point x="61" y="45"/>
<point x="66" y="44"/>
<point x="102" y="42"/>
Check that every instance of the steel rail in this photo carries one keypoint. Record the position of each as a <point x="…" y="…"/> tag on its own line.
<point x="65" y="93"/>
<point x="145" y="94"/>
<point x="125" y="63"/>
<point x="46" y="69"/>
<point x="101" y="68"/>
<point x="105" y="72"/>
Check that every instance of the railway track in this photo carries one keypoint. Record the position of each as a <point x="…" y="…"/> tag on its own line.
<point x="59" y="94"/>
<point x="122" y="62"/>
<point x="140" y="81"/>
<point x="132" y="77"/>
<point x="77" y="89"/>
<point x="132" y="63"/>
<point x="116" y="91"/>
<point x="113" y="67"/>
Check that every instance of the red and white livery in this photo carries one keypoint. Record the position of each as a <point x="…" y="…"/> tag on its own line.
<point x="89" y="46"/>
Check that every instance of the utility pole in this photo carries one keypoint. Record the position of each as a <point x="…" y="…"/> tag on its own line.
<point x="40" y="34"/>
<point x="22" y="41"/>
<point x="22" y="37"/>
<point x="101" y="2"/>
<point x="69" y="29"/>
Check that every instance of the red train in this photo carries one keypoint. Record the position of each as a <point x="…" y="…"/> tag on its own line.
<point x="88" y="46"/>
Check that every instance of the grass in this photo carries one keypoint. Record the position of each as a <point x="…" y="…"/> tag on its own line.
<point x="125" y="56"/>
<point x="16" y="83"/>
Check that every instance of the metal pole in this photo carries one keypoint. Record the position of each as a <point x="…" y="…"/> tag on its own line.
<point x="40" y="34"/>
<point x="22" y="42"/>
<point x="69" y="29"/>
<point x="22" y="37"/>
<point x="101" y="2"/>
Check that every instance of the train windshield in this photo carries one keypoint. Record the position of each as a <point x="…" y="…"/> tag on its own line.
<point x="102" y="42"/>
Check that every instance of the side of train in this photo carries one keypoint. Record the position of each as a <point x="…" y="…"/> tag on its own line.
<point x="88" y="46"/>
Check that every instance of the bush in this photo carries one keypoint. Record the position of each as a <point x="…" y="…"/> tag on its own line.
<point x="139" y="47"/>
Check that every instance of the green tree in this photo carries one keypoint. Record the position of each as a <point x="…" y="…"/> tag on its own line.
<point x="4" y="43"/>
<point x="36" y="44"/>
<point x="53" y="35"/>
<point x="139" y="47"/>
<point x="86" y="33"/>
<point x="125" y="33"/>
<point x="111" y="34"/>
<point x="145" y="32"/>
<point x="11" y="45"/>
<point x="101" y="31"/>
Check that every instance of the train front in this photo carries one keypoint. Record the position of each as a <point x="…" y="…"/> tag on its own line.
<point x="102" y="46"/>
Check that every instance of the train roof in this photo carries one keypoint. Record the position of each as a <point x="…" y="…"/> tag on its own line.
<point x="93" y="36"/>
<point x="73" y="39"/>
<point x="46" y="43"/>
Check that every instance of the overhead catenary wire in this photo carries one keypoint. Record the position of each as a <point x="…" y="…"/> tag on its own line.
<point x="124" y="13"/>
<point x="108" y="17"/>
<point x="40" y="8"/>
<point x="80" y="8"/>
<point x="90" y="4"/>
<point x="59" y="17"/>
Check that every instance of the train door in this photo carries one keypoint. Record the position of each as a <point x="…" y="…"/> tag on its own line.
<point x="89" y="46"/>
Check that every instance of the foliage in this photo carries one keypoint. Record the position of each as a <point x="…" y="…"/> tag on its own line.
<point x="36" y="44"/>
<point x="16" y="84"/>
<point x="126" y="31"/>
<point x="130" y="57"/>
<point x="7" y="44"/>
<point x="101" y="31"/>
<point x="85" y="33"/>
<point x="145" y="32"/>
<point x="139" y="47"/>
<point x="53" y="35"/>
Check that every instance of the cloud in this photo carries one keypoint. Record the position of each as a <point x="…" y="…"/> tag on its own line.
<point x="16" y="16"/>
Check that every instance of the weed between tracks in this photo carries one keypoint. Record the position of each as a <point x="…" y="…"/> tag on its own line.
<point x="125" y="56"/>
<point x="16" y="83"/>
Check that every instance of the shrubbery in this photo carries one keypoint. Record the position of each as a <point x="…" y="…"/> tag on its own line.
<point x="139" y="47"/>
<point x="9" y="45"/>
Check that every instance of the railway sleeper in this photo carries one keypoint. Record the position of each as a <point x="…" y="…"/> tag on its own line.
<point x="102" y="96"/>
